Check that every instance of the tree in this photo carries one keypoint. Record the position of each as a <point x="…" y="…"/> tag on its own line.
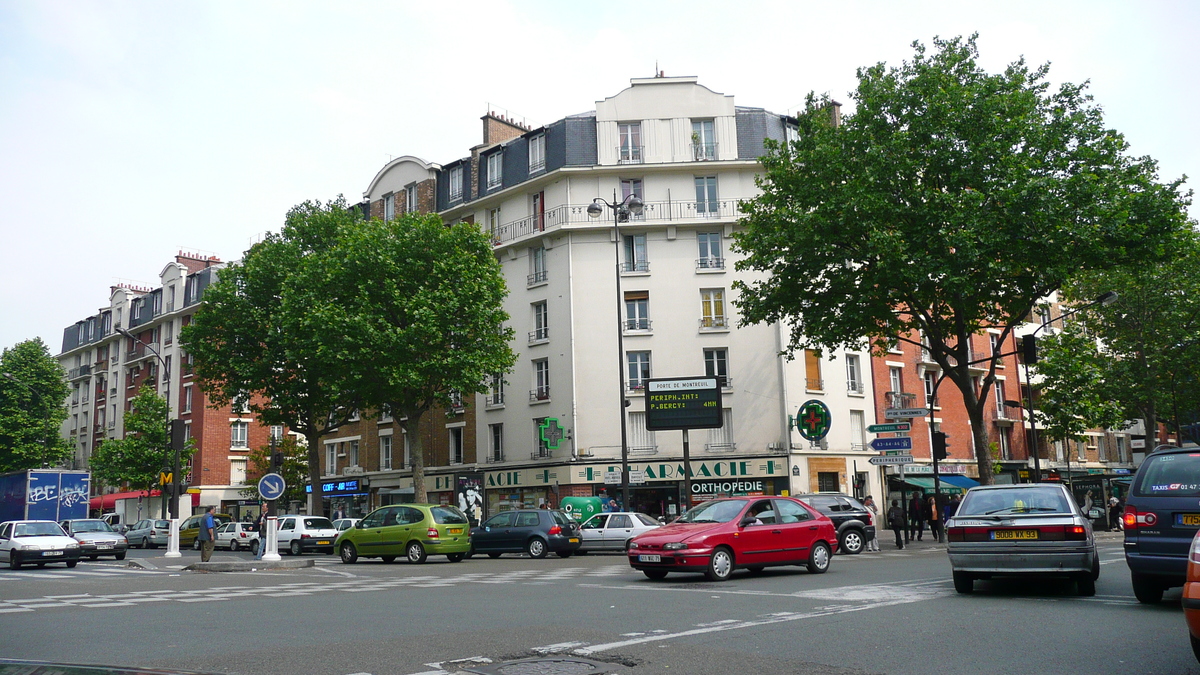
<point x="421" y="311"/>
<point x="263" y="335"/>
<point x="32" y="408"/>
<point x="294" y="469"/>
<point x="137" y="459"/>
<point x="951" y="200"/>
<point x="1075" y="391"/>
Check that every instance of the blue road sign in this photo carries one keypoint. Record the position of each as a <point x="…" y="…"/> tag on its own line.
<point x="271" y="486"/>
<point x="900" y="443"/>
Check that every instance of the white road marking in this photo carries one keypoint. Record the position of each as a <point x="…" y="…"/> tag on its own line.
<point x="558" y="648"/>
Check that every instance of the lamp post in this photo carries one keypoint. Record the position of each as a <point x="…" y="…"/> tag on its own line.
<point x="41" y="401"/>
<point x="630" y="205"/>
<point x="174" y="502"/>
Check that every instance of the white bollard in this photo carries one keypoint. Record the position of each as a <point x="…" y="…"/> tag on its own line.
<point x="272" y="544"/>
<point x="173" y="539"/>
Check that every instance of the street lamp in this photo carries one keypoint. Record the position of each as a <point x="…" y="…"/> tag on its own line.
<point x="175" y="466"/>
<point x="622" y="209"/>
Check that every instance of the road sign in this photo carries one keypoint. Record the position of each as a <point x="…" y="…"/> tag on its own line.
<point x="891" y="459"/>
<point x="552" y="433"/>
<point x="271" y="486"/>
<point x="895" y="413"/>
<point x="683" y="403"/>
<point x="813" y="420"/>
<point x="637" y="477"/>
<point x="165" y="477"/>
<point x="895" y="426"/>
<point x="612" y="478"/>
<point x="900" y="443"/>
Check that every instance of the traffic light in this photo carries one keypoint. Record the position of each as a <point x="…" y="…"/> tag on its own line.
<point x="276" y="461"/>
<point x="1029" y="349"/>
<point x="940" y="445"/>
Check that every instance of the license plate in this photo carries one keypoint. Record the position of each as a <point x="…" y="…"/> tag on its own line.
<point x="456" y="530"/>
<point x="103" y="545"/>
<point x="52" y="552"/>
<point x="649" y="558"/>
<point x="323" y="543"/>
<point x="1014" y="534"/>
<point x="1192" y="519"/>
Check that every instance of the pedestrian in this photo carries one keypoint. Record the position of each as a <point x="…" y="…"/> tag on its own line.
<point x="869" y="502"/>
<point x="206" y="536"/>
<point x="935" y="523"/>
<point x="916" y="517"/>
<point x="952" y="507"/>
<point x="613" y="507"/>
<point x="1114" y="514"/>
<point x="895" y="516"/>
<point x="260" y="524"/>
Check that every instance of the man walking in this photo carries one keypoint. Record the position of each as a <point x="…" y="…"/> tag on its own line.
<point x="916" y="518"/>
<point x="260" y="525"/>
<point x="869" y="502"/>
<point x="895" y="516"/>
<point x="207" y="535"/>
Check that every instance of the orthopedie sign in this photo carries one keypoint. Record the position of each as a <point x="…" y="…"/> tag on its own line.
<point x="728" y="487"/>
<point x="683" y="403"/>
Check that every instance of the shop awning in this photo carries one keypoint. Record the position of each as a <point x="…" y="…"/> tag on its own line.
<point x="960" y="481"/>
<point x="923" y="483"/>
<point x="109" y="501"/>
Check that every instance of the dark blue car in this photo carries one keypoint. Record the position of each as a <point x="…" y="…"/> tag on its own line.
<point x="1162" y="515"/>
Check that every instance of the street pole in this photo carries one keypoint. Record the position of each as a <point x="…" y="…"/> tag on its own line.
<point x="687" y="475"/>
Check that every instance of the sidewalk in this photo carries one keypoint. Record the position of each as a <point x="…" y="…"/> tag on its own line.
<point x="190" y="561"/>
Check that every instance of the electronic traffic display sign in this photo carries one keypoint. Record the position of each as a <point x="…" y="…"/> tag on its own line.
<point x="683" y="403"/>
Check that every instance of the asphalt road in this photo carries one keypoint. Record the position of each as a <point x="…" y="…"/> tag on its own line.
<point x="890" y="612"/>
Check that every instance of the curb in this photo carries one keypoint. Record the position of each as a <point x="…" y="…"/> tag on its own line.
<point x="249" y="566"/>
<point x="140" y="563"/>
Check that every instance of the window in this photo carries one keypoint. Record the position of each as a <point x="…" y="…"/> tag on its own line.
<point x="237" y="472"/>
<point x="641" y="439"/>
<point x="385" y="452"/>
<point x="827" y="481"/>
<point x="1002" y="441"/>
<point x="495" y="170"/>
<point x="630" y="187"/>
<point x="637" y="310"/>
<point x="704" y="145"/>
<point x="389" y="206"/>
<point x="330" y="459"/>
<point x="187" y="399"/>
<point x="706" y="194"/>
<point x="537" y="153"/>
<point x="930" y="384"/>
<point x="238" y="434"/>
<point x="709" y="244"/>
<point x="639" y="369"/>
<point x="276" y="432"/>
<point x="494" y="223"/>
<point x="169" y="337"/>
<point x="895" y="375"/>
<point x="812" y="370"/>
<point x="496" y="395"/>
<point x="456" y="445"/>
<point x="717" y="365"/>
<point x="1120" y="448"/>
<point x="630" y="150"/>
<point x="538" y="210"/>
<point x="166" y="376"/>
<point x="712" y="308"/>
<point x="854" y="381"/>
<point x="541" y="380"/>
<point x="410" y="198"/>
<point x="456" y="183"/>
<point x="995" y="342"/>
<point x="542" y="450"/>
<point x="353" y="453"/>
<point x="721" y="439"/>
<point x="496" y="451"/>
<point x="1081" y="448"/>
<point x="537" y="265"/>
<point x="407" y="449"/>
<point x="858" y="426"/>
<point x="635" y="254"/>
<point x="541" y="323"/>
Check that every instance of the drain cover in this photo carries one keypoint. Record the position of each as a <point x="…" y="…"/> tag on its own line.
<point x="546" y="666"/>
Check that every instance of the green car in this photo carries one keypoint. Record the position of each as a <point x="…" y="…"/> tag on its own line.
<point x="410" y="530"/>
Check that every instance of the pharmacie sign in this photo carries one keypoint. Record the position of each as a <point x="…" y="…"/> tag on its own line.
<point x="683" y="403"/>
<point x="664" y="471"/>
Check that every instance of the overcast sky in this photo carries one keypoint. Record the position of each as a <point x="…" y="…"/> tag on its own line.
<point x="131" y="130"/>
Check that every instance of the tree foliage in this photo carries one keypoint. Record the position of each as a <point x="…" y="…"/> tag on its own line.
<point x="33" y="392"/>
<point x="1076" y="392"/>
<point x="145" y="450"/>
<point x="294" y="469"/>
<point x="950" y="200"/>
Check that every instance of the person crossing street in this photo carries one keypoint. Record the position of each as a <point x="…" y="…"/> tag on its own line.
<point x="207" y="535"/>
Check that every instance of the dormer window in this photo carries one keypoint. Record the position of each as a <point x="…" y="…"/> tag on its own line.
<point x="537" y="153"/>
<point x="389" y="207"/>
<point x="456" y="183"/>
<point x="495" y="170"/>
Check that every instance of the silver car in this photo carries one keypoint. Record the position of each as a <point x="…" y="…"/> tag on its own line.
<point x="36" y="542"/>
<point x="148" y="533"/>
<point x="1026" y="529"/>
<point x="96" y="538"/>
<point x="612" y="531"/>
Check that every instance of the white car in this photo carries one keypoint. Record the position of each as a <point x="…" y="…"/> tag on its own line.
<point x="612" y="531"/>
<point x="36" y="542"/>
<point x="234" y="536"/>
<point x="342" y="524"/>
<point x="298" y="534"/>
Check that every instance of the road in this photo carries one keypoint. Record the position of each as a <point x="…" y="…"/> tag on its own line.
<point x="890" y="612"/>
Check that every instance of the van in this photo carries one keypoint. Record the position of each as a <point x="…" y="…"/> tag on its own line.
<point x="1162" y="515"/>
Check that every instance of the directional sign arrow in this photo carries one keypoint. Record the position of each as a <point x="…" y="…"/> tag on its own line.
<point x="891" y="459"/>
<point x="271" y="486"/>
<point x="895" y="426"/>
<point x="901" y="443"/>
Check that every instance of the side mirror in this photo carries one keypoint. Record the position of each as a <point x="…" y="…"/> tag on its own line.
<point x="747" y="520"/>
<point x="358" y="525"/>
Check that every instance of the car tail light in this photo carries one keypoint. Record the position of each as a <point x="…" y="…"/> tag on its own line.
<point x="433" y="533"/>
<point x="556" y="530"/>
<point x="306" y="536"/>
<point x="955" y="533"/>
<point x="1076" y="532"/>
<point x="244" y="535"/>
<point x="1133" y="519"/>
<point x="1194" y="551"/>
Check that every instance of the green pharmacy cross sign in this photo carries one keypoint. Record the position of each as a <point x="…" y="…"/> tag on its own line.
<point x="552" y="433"/>
<point x="813" y="420"/>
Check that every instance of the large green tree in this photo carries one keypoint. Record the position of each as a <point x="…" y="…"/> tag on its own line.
<point x="137" y="459"/>
<point x="949" y="201"/>
<point x="263" y="335"/>
<point x="33" y="398"/>
<point x="420" y="315"/>
<point x="294" y="469"/>
<point x="1075" y="392"/>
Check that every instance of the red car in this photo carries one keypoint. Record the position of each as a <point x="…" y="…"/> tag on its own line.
<point x="722" y="535"/>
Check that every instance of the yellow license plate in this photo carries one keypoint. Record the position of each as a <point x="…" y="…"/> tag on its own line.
<point x="1014" y="534"/>
<point x="456" y="530"/>
<point x="1189" y="519"/>
<point x="322" y="543"/>
<point x="574" y="540"/>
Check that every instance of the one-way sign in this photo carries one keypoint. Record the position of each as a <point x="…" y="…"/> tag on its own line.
<point x="900" y="443"/>
<point x="891" y="459"/>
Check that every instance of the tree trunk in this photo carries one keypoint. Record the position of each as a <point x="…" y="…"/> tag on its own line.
<point x="417" y="448"/>
<point x="983" y="451"/>
<point x="315" y="505"/>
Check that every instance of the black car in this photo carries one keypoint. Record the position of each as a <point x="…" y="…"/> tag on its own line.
<point x="533" y="531"/>
<point x="1162" y="515"/>
<point x="855" y="526"/>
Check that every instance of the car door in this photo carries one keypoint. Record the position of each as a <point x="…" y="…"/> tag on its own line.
<point x="492" y="532"/>
<point x="593" y="532"/>
<point x="618" y="531"/>
<point x="759" y="542"/>
<point x="287" y="532"/>
<point x="397" y="536"/>
<point x="369" y="537"/>
<point x="798" y="527"/>
<point x="5" y="541"/>
<point x="525" y="525"/>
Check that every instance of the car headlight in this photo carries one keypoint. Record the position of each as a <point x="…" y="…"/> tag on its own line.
<point x="72" y="545"/>
<point x="30" y="547"/>
<point x="633" y="544"/>
<point x="674" y="546"/>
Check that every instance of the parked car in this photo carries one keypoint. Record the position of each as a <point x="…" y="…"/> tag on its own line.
<point x="719" y="536"/>
<point x="298" y="534"/>
<point x="1025" y="529"/>
<point x="96" y="538"/>
<point x="345" y="523"/>
<point x="854" y="523"/>
<point x="1191" y="595"/>
<point x="36" y="542"/>
<point x="613" y="531"/>
<point x="1162" y="516"/>
<point x="189" y="530"/>
<point x="415" y="531"/>
<point x="234" y="535"/>
<point x="533" y="531"/>
<point x="148" y="533"/>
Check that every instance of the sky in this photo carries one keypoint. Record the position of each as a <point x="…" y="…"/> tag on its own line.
<point x="132" y="130"/>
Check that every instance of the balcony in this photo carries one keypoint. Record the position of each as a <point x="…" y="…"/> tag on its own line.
<point x="720" y="447"/>
<point x="814" y="384"/>
<point x="629" y="154"/>
<point x="714" y="323"/>
<point x="539" y="336"/>
<point x="541" y="453"/>
<point x="854" y="387"/>
<point x="539" y="394"/>
<point x="80" y="372"/>
<point x="652" y="213"/>
<point x="494" y="400"/>
<point x="899" y="399"/>
<point x="636" y="267"/>
<point x="710" y="264"/>
<point x="643" y="450"/>
<point x="637" y="325"/>
<point x="636" y="386"/>
<point x="493" y="457"/>
<point x="536" y="279"/>
<point x="703" y="152"/>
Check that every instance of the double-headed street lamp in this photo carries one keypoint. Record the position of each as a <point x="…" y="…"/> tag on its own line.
<point x="621" y="210"/>
<point x="175" y="465"/>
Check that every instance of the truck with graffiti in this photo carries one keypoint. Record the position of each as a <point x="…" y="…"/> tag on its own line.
<point x="44" y="494"/>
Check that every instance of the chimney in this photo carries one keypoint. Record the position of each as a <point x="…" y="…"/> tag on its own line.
<point x="498" y="128"/>
<point x="835" y="113"/>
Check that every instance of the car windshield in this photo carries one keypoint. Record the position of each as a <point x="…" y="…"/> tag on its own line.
<point x="1173" y="475"/>
<point x="317" y="524"/>
<point x="561" y="518"/>
<point x="162" y="524"/>
<point x="713" y="512"/>
<point x="90" y="526"/>
<point x="448" y="515"/>
<point x="38" y="530"/>
<point x="1048" y="499"/>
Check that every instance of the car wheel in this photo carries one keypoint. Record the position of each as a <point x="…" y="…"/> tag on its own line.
<point x="93" y="557"/>
<point x="582" y="551"/>
<point x="627" y="543"/>
<point x="536" y="548"/>
<point x="294" y="548"/>
<point x="655" y="575"/>
<point x="14" y="561"/>
<point x="964" y="583"/>
<point x="455" y="557"/>
<point x="72" y="563"/>
<point x="349" y="553"/>
<point x="120" y="556"/>
<point x="195" y="544"/>
<point x="853" y="542"/>
<point x="471" y="552"/>
<point x="1195" y="646"/>
<point x="565" y="554"/>
<point x="493" y="555"/>
<point x="254" y="547"/>
<point x="1147" y="590"/>
<point x="720" y="565"/>
<point x="388" y="558"/>
<point x="1096" y="568"/>
<point x="41" y="565"/>
<point x="818" y="558"/>
<point x="1085" y="585"/>
<point x="146" y="543"/>
<point x="415" y="552"/>
<point x="233" y="545"/>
